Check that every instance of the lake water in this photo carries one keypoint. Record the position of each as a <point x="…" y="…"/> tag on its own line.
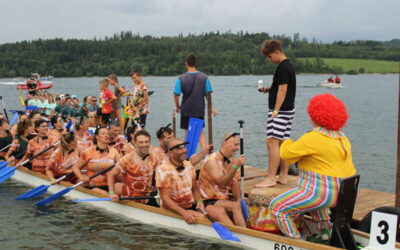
<point x="372" y="128"/>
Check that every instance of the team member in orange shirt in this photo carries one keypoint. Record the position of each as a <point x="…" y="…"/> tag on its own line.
<point x="58" y="129"/>
<point x="62" y="160"/>
<point x="137" y="169"/>
<point x="176" y="183"/>
<point x="97" y="157"/>
<point x="129" y="146"/>
<point x="83" y="138"/>
<point x="218" y="176"/>
<point x="37" y="144"/>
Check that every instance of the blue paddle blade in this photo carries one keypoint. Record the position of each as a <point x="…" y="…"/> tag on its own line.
<point x="94" y="199"/>
<point x="6" y="173"/>
<point x="3" y="164"/>
<point x="36" y="192"/>
<point x="14" y="119"/>
<point x="244" y="209"/>
<point x="193" y="135"/>
<point x="31" y="107"/>
<point x="69" y="124"/>
<point x="224" y="233"/>
<point x="53" y="197"/>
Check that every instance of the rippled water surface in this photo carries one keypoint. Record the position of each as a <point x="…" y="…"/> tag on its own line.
<point x="371" y="102"/>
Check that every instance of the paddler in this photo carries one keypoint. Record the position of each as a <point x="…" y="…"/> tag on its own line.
<point x="130" y="145"/>
<point x="5" y="137"/>
<point x="324" y="158"/>
<point x="58" y="127"/>
<point x="137" y="169"/>
<point x="219" y="177"/>
<point x="117" y="140"/>
<point x="83" y="138"/>
<point x="176" y="183"/>
<point x="63" y="158"/>
<point x="37" y="144"/>
<point x="97" y="157"/>
<point x="20" y="142"/>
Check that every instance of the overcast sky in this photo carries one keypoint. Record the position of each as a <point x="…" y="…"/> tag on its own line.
<point x="326" y="20"/>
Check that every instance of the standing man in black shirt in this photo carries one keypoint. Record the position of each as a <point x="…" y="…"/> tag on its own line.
<point x="281" y="110"/>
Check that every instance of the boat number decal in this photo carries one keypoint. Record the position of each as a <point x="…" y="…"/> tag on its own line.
<point x="384" y="232"/>
<point x="278" y="246"/>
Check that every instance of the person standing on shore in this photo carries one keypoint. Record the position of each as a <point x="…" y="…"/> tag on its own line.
<point x="118" y="92"/>
<point x="280" y="110"/>
<point x="194" y="86"/>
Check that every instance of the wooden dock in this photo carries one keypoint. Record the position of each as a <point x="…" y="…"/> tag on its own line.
<point x="367" y="199"/>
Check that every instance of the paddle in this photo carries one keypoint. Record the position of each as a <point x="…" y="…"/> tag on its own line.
<point x="121" y="198"/>
<point x="9" y="171"/>
<point x="14" y="118"/>
<point x="21" y="98"/>
<point x="3" y="164"/>
<point x="9" y="145"/>
<point x="193" y="134"/>
<point x="242" y="201"/>
<point x="4" y="108"/>
<point x="209" y="117"/>
<point x="174" y="121"/>
<point x="38" y="191"/>
<point x="223" y="232"/>
<point x="66" y="190"/>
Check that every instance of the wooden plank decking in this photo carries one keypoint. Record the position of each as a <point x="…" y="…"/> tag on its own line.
<point x="367" y="199"/>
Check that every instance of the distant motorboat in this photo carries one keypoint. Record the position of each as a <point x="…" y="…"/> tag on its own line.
<point x="331" y="85"/>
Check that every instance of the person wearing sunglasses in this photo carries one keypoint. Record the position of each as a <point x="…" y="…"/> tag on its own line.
<point x="177" y="185"/>
<point x="219" y="177"/>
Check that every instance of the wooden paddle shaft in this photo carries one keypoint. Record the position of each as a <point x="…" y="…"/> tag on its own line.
<point x="4" y="108"/>
<point x="174" y="121"/>
<point x="209" y="120"/>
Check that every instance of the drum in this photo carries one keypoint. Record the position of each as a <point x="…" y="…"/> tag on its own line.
<point x="260" y="217"/>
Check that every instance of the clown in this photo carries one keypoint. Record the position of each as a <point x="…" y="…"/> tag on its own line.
<point x="324" y="159"/>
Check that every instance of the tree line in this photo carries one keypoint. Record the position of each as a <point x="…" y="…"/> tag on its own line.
<point x="218" y="54"/>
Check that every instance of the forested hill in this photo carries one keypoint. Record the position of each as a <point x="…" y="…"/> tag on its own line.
<point x="218" y="54"/>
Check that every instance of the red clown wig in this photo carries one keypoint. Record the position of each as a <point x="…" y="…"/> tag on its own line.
<point x="328" y="111"/>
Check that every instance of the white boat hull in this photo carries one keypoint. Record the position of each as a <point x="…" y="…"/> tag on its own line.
<point x="330" y="85"/>
<point x="250" y="239"/>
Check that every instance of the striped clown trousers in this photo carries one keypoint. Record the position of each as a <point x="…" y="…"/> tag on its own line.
<point x="315" y="193"/>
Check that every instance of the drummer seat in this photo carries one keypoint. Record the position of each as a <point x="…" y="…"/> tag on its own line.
<point x="342" y="214"/>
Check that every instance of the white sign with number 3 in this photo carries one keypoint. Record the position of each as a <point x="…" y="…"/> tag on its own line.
<point x="383" y="231"/>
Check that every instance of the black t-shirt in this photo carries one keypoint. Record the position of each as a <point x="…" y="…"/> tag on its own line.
<point x="31" y="87"/>
<point x="284" y="74"/>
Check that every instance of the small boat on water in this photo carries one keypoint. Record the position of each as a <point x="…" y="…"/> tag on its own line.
<point x="45" y="85"/>
<point x="331" y="85"/>
<point x="250" y="239"/>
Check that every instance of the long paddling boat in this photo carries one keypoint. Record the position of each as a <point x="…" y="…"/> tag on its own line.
<point x="250" y="239"/>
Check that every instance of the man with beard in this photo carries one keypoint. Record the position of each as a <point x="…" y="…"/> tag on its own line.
<point x="137" y="170"/>
<point x="219" y="177"/>
<point x="177" y="186"/>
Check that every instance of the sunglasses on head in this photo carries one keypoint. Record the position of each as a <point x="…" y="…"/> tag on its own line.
<point x="178" y="145"/>
<point x="232" y="135"/>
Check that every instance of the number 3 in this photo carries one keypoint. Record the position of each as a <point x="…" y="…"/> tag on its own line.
<point x="384" y="229"/>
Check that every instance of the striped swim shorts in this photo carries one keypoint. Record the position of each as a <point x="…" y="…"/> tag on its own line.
<point x="280" y="126"/>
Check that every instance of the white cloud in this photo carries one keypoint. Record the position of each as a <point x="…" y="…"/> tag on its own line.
<point x="323" y="19"/>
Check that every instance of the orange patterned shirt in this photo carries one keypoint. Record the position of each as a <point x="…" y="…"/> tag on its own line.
<point x="92" y="156"/>
<point x="137" y="178"/>
<point x="35" y="146"/>
<point x="128" y="148"/>
<point x="119" y="143"/>
<point x="180" y="183"/>
<point x="207" y="187"/>
<point x="160" y="154"/>
<point x="84" y="142"/>
<point x="60" y="164"/>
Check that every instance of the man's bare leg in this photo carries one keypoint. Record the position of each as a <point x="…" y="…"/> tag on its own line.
<point x="235" y="208"/>
<point x="274" y="158"/>
<point x="219" y="214"/>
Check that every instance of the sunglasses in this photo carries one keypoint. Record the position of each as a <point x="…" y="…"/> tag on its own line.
<point x="179" y="145"/>
<point x="232" y="135"/>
